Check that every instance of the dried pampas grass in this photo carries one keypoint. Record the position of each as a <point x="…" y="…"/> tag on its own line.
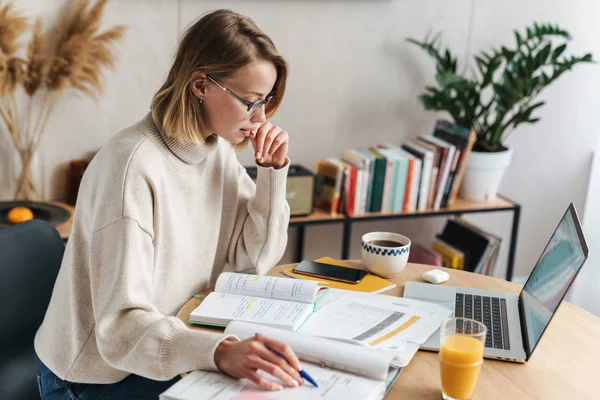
<point x="75" y="60"/>
<point x="12" y="26"/>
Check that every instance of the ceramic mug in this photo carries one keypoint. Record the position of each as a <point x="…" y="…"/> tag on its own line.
<point x="385" y="253"/>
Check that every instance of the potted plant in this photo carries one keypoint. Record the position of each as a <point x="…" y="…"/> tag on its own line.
<point x="497" y="96"/>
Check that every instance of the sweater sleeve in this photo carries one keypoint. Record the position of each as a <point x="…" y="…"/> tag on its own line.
<point x="131" y="334"/>
<point x="263" y="214"/>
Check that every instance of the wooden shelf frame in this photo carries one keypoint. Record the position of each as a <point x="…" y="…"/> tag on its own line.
<point x="460" y="207"/>
<point x="318" y="217"/>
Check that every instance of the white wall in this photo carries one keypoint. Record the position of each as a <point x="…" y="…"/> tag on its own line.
<point x="585" y="292"/>
<point x="354" y="82"/>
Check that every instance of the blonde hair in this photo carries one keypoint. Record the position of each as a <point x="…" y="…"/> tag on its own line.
<point x="218" y="44"/>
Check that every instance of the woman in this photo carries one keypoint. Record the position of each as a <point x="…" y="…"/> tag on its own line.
<point x="163" y="206"/>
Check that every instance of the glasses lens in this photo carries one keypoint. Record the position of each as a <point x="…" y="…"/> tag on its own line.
<point x="256" y="107"/>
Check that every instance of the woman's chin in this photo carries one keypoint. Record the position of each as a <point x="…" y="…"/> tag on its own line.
<point x="240" y="144"/>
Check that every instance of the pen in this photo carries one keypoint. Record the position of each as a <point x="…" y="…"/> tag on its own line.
<point x="302" y="372"/>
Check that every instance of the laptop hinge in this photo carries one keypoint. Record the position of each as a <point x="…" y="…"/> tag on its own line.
<point x="524" y="334"/>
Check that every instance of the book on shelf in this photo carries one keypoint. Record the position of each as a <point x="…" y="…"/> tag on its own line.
<point x="328" y="181"/>
<point x="370" y="160"/>
<point x="422" y="174"/>
<point x="378" y="180"/>
<point x="463" y="139"/>
<point x="447" y="151"/>
<point x="420" y="254"/>
<point x="488" y="260"/>
<point x="434" y="180"/>
<point x="426" y="157"/>
<point x="451" y="256"/>
<point x="411" y="193"/>
<point x="279" y="302"/>
<point x="362" y="165"/>
<point x="347" y="370"/>
<point x="350" y="180"/>
<point x="465" y="238"/>
<point x="399" y="178"/>
<point x="386" y="197"/>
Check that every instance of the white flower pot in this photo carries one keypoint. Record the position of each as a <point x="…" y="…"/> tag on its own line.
<point x="483" y="175"/>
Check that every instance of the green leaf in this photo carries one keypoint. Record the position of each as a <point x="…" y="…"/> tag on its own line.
<point x="558" y="51"/>
<point x="533" y="120"/>
<point x="427" y="101"/>
<point x="542" y="56"/>
<point x="508" y="79"/>
<point x="544" y="78"/>
<point x="587" y="58"/>
<point x="536" y="105"/>
<point x="518" y="38"/>
<point x="480" y="61"/>
<point x="489" y="74"/>
<point x="529" y="65"/>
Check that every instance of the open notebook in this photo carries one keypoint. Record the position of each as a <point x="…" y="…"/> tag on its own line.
<point x="278" y="302"/>
<point x="343" y="371"/>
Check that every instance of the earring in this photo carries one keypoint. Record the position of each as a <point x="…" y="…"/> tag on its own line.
<point x="201" y="100"/>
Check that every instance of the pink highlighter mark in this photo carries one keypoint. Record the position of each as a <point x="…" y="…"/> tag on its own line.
<point x="251" y="396"/>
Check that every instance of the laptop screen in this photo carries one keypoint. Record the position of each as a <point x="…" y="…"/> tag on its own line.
<point x="552" y="276"/>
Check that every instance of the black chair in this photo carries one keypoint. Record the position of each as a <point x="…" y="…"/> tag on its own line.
<point x="30" y="257"/>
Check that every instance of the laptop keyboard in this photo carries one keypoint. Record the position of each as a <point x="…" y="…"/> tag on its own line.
<point x="491" y="311"/>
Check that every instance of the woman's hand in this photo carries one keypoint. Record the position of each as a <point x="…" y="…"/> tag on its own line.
<point x="270" y="144"/>
<point x="243" y="359"/>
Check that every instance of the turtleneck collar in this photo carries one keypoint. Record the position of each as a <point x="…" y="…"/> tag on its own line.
<point x="188" y="153"/>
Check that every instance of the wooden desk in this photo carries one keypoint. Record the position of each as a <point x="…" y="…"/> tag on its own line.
<point x="565" y="364"/>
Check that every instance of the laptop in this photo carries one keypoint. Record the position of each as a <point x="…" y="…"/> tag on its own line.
<point x="516" y="322"/>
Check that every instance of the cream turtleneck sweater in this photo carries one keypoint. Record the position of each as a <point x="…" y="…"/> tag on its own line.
<point x="156" y="221"/>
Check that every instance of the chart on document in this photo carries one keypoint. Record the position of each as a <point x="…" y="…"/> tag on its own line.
<point x="363" y="320"/>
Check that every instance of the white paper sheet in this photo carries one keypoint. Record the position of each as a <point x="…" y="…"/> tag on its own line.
<point x="333" y="385"/>
<point x="220" y="308"/>
<point x="431" y="315"/>
<point x="268" y="287"/>
<point x="341" y="356"/>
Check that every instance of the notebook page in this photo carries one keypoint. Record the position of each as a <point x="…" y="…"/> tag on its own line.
<point x="220" y="308"/>
<point x="269" y="287"/>
<point x="341" y="356"/>
<point x="333" y="385"/>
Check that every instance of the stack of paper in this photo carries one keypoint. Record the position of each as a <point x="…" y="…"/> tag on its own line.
<point x="342" y="371"/>
<point x="378" y="321"/>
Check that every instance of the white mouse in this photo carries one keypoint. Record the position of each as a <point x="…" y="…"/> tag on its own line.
<point x="436" y="276"/>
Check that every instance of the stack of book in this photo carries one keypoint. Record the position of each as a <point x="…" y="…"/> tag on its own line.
<point x="464" y="246"/>
<point x="422" y="174"/>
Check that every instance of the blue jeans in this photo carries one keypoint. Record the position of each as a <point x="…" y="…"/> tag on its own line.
<point x="131" y="388"/>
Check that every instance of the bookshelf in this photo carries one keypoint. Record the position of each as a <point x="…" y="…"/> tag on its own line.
<point x="319" y="217"/>
<point x="460" y="207"/>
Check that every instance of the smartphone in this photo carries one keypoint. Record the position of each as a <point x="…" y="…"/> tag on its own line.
<point x="328" y="271"/>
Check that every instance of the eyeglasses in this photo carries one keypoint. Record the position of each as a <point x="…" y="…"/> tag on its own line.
<point x="251" y="106"/>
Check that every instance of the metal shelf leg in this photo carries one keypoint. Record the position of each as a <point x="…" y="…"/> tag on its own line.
<point x="513" y="243"/>
<point x="300" y="243"/>
<point x="347" y="234"/>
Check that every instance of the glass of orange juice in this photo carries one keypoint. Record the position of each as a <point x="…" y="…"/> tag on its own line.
<point x="461" y="356"/>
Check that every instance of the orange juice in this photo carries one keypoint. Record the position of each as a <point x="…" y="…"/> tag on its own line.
<point x="460" y="362"/>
